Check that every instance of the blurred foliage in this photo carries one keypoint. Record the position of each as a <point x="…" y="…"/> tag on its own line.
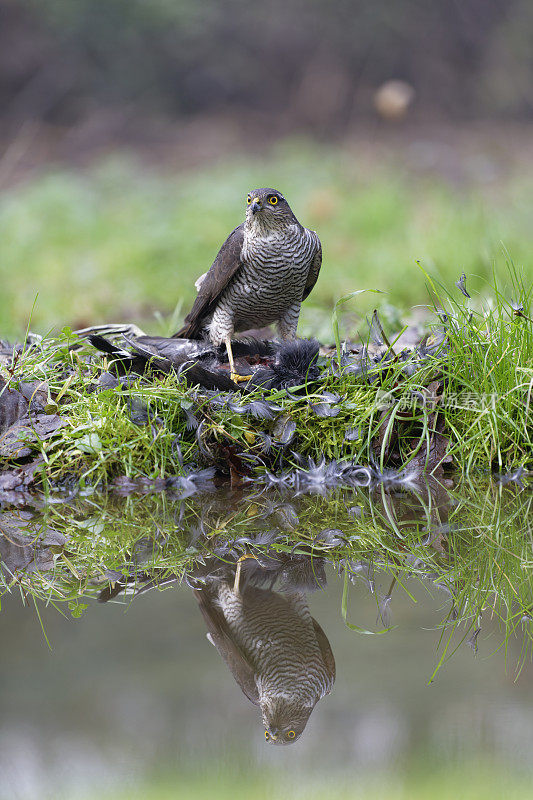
<point x="312" y="61"/>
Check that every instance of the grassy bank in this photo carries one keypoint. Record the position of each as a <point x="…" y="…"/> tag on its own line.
<point x="464" y="401"/>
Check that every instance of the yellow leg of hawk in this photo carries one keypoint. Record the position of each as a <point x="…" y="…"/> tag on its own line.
<point x="235" y="377"/>
<point x="236" y="584"/>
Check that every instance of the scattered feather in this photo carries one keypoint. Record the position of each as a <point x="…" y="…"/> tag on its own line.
<point x="355" y="511"/>
<point x="384" y="606"/>
<point x="330" y="537"/>
<point x="514" y="476"/>
<point x="461" y="285"/>
<point x="324" y="410"/>
<point x="352" y="434"/>
<point x="284" y="429"/>
<point x="191" y="421"/>
<point x="472" y="640"/>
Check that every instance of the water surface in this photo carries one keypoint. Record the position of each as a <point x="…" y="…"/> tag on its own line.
<point x="130" y="692"/>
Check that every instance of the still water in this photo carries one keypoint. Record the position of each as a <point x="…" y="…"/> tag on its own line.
<point x="381" y="635"/>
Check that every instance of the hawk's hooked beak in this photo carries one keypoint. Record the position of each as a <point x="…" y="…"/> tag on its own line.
<point x="256" y="205"/>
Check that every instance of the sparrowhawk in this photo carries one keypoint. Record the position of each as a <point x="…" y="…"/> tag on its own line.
<point x="278" y="654"/>
<point x="264" y="270"/>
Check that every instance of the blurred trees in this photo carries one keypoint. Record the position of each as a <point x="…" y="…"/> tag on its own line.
<point x="312" y="63"/>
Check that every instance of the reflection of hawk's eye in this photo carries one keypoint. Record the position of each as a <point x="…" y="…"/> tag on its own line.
<point x="273" y="199"/>
<point x="267" y="735"/>
<point x="291" y="734"/>
<point x="248" y="199"/>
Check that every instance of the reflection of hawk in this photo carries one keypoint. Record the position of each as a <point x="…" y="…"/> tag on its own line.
<point x="263" y="271"/>
<point x="278" y="654"/>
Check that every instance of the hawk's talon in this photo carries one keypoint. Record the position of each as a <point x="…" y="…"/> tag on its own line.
<point x="236" y="587"/>
<point x="236" y="378"/>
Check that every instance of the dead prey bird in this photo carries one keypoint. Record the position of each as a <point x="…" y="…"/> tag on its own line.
<point x="264" y="270"/>
<point x="278" y="654"/>
<point x="273" y="365"/>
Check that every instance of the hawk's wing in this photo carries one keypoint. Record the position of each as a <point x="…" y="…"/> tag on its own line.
<point x="220" y="635"/>
<point x="312" y="277"/>
<point x="224" y="267"/>
<point x="327" y="653"/>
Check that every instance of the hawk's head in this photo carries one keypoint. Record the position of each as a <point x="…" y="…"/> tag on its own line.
<point x="268" y="208"/>
<point x="284" y="718"/>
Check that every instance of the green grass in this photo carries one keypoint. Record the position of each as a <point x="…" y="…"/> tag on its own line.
<point x="119" y="241"/>
<point x="489" y="375"/>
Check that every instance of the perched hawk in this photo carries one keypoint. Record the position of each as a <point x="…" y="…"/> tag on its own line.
<point x="263" y="271"/>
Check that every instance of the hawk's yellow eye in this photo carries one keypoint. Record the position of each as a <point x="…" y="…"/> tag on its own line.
<point x="267" y="735"/>
<point x="291" y="734"/>
<point x="248" y="199"/>
<point x="272" y="199"/>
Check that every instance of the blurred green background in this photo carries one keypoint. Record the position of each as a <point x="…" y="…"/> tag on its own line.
<point x="120" y="242"/>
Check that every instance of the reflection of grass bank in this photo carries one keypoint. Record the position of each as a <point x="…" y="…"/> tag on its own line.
<point x="470" y="547"/>
<point x="120" y="241"/>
